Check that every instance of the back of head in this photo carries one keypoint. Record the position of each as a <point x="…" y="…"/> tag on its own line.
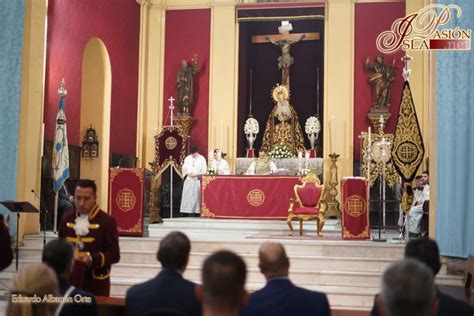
<point x="86" y="183"/>
<point x="273" y="260"/>
<point x="34" y="279"/>
<point x="223" y="281"/>
<point x="408" y="289"/>
<point x="174" y="251"/>
<point x="193" y="149"/>
<point x="59" y="255"/>
<point x="425" y="250"/>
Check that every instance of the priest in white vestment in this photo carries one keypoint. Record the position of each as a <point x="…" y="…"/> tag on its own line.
<point x="218" y="164"/>
<point x="263" y="165"/>
<point x="194" y="166"/>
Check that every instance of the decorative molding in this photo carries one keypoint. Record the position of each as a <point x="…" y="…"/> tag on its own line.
<point x="379" y="1"/>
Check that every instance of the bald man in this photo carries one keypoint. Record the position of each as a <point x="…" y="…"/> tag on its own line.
<point x="280" y="297"/>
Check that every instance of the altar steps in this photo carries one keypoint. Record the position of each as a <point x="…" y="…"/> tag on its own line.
<point x="348" y="271"/>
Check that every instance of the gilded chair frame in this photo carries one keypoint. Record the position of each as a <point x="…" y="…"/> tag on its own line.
<point x="311" y="178"/>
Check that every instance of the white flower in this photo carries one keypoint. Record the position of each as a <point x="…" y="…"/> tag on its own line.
<point x="251" y="126"/>
<point x="312" y="125"/>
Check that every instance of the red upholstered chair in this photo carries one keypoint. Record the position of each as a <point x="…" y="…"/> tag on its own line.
<point x="307" y="205"/>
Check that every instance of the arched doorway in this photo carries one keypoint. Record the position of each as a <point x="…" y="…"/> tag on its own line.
<point x="95" y="112"/>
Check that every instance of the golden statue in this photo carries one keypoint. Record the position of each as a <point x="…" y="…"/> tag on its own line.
<point x="283" y="127"/>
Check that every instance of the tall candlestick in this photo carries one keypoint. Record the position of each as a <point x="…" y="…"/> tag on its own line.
<point x="317" y="91"/>
<point x="250" y="88"/>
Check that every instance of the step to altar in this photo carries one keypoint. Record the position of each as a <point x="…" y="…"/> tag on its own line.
<point x="348" y="271"/>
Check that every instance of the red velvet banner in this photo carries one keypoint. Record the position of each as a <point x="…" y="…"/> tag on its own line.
<point x="355" y="215"/>
<point x="126" y="193"/>
<point x="253" y="197"/>
<point x="170" y="149"/>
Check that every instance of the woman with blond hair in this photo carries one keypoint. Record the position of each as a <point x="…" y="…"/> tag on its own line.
<point x="34" y="292"/>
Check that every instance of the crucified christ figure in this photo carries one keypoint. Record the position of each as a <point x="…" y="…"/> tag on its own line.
<point x="285" y="60"/>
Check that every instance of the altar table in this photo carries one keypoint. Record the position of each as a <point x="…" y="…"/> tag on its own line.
<point x="290" y="164"/>
<point x="247" y="197"/>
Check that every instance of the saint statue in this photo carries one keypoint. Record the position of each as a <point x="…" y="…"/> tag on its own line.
<point x="184" y="85"/>
<point x="381" y="82"/>
<point x="283" y="127"/>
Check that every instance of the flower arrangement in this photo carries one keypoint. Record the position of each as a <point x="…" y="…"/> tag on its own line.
<point x="305" y="171"/>
<point x="312" y="125"/>
<point x="251" y="126"/>
<point x="281" y="151"/>
<point x="212" y="171"/>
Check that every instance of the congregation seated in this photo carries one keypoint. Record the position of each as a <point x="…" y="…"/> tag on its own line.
<point x="33" y="279"/>
<point x="408" y="289"/>
<point x="427" y="251"/>
<point x="263" y="165"/>
<point x="168" y="293"/>
<point x="223" y="284"/>
<point x="280" y="297"/>
<point x="58" y="254"/>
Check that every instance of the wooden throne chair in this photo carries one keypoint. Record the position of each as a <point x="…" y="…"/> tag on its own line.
<point x="307" y="204"/>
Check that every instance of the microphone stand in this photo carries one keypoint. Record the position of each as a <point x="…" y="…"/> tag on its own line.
<point x="44" y="212"/>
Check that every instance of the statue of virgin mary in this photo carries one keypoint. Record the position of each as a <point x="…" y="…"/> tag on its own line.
<point x="283" y="127"/>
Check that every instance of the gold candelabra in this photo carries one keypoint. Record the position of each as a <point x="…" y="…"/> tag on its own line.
<point x="331" y="201"/>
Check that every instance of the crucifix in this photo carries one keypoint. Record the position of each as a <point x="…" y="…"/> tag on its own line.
<point x="171" y="107"/>
<point x="284" y="40"/>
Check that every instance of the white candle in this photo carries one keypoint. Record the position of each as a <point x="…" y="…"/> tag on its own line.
<point x="222" y="134"/>
<point x="332" y="128"/>
<point x="306" y="155"/>
<point x="42" y="139"/>
<point x="300" y="155"/>
<point x="370" y="139"/>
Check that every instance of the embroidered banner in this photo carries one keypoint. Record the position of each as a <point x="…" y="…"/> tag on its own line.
<point x="127" y="193"/>
<point x="170" y="150"/>
<point x="355" y="215"/>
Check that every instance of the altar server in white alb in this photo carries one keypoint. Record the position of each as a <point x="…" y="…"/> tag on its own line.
<point x="218" y="164"/>
<point x="194" y="166"/>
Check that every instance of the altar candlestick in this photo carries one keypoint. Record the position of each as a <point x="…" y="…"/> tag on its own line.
<point x="300" y="155"/>
<point x="306" y="159"/>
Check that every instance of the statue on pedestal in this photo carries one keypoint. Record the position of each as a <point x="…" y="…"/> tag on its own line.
<point x="185" y="85"/>
<point x="283" y="127"/>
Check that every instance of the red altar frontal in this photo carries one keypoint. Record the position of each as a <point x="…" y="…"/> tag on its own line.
<point x="128" y="199"/>
<point x="247" y="197"/>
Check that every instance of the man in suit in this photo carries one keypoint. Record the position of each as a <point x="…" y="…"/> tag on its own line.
<point x="94" y="234"/>
<point x="408" y="289"/>
<point x="59" y="255"/>
<point x="168" y="294"/>
<point x="426" y="250"/>
<point x="223" y="284"/>
<point x="280" y="297"/>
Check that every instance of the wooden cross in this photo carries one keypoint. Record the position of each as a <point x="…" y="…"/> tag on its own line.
<point x="284" y="41"/>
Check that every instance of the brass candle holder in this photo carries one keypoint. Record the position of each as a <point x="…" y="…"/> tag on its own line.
<point x="331" y="201"/>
